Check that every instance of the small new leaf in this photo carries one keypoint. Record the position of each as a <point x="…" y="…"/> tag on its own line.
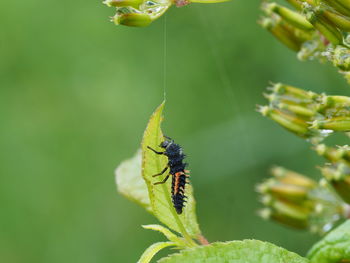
<point x="160" y="195"/>
<point x="152" y="250"/>
<point x="130" y="183"/>
<point x="167" y="233"/>
<point x="333" y="248"/>
<point x="247" y="251"/>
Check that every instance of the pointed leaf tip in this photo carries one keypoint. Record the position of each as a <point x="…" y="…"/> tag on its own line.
<point x="160" y="195"/>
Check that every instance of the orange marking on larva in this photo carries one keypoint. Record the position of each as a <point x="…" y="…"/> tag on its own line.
<point x="177" y="181"/>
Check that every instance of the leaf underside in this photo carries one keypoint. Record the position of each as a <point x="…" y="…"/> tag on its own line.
<point x="247" y="251"/>
<point x="130" y="183"/>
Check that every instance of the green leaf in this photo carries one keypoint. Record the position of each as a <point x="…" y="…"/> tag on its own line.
<point x="130" y="183"/>
<point x="247" y="251"/>
<point x="160" y="195"/>
<point x="334" y="247"/>
<point x="152" y="250"/>
<point x="167" y="233"/>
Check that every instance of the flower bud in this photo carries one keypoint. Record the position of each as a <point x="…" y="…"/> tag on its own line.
<point x="339" y="20"/>
<point x="290" y="177"/>
<point x="296" y="3"/>
<point x="286" y="214"/>
<point x="295" y="93"/>
<point x="121" y="3"/>
<point x="297" y="201"/>
<point x="132" y="19"/>
<point x="288" y="121"/>
<point x="284" y="33"/>
<point x="289" y="16"/>
<point x="307" y="114"/>
<point x="297" y="109"/>
<point x="331" y="33"/>
<point x="345" y="3"/>
<point x="338" y="5"/>
<point x="341" y="124"/>
<point x="338" y="175"/>
<point x="334" y="155"/>
<point x="312" y="49"/>
<point x="138" y="13"/>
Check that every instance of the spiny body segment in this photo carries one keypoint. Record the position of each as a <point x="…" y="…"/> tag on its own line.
<point x="176" y="166"/>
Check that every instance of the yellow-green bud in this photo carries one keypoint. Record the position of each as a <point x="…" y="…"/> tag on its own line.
<point x="341" y="21"/>
<point x="288" y="121"/>
<point x="290" y="177"/>
<point x="296" y="93"/>
<point x="283" y="32"/>
<point x="122" y="3"/>
<point x="289" y="16"/>
<point x="330" y="32"/>
<point x="334" y="124"/>
<point x="133" y="19"/>
<point x="338" y="175"/>
<point x="339" y="6"/>
<point x="297" y="201"/>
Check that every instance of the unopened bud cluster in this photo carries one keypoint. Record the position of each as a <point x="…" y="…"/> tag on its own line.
<point x="140" y="13"/>
<point x="295" y="200"/>
<point x="337" y="171"/>
<point x="313" y="28"/>
<point x="137" y="13"/>
<point x="291" y="198"/>
<point x="307" y="114"/>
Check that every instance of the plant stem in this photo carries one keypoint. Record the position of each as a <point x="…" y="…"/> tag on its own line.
<point x="203" y="240"/>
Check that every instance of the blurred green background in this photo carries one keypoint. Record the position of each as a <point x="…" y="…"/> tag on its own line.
<point x="75" y="96"/>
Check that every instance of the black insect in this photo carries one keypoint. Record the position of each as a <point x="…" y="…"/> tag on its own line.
<point x="177" y="167"/>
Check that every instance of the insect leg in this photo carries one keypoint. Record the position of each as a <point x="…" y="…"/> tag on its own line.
<point x="162" y="182"/>
<point x="166" y="137"/>
<point x="163" y="171"/>
<point x="155" y="150"/>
